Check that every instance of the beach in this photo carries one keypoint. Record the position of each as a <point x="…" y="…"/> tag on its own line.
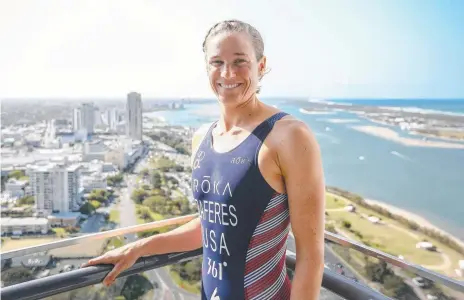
<point x="389" y="134"/>
<point x="316" y="112"/>
<point x="413" y="217"/>
<point x="340" y="121"/>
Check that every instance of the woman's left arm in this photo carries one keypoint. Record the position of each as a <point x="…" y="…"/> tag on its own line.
<point x="300" y="162"/>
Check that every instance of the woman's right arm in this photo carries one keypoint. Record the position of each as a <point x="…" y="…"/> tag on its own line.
<point x="184" y="238"/>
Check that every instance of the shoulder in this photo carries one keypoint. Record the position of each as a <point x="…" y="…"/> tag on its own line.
<point x="290" y="131"/>
<point x="293" y="138"/>
<point x="198" y="136"/>
<point x="200" y="133"/>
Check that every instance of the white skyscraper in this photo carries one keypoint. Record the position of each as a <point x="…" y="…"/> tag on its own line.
<point x="112" y="118"/>
<point x="84" y="117"/>
<point x="134" y="116"/>
<point x="55" y="187"/>
<point x="77" y="120"/>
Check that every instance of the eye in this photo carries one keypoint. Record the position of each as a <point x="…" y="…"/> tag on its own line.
<point x="216" y="63"/>
<point x="240" y="61"/>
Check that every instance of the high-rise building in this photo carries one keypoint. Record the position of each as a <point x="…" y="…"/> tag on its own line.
<point x="112" y="118"/>
<point x="134" y="116"/>
<point x="77" y="120"/>
<point x="84" y="117"/>
<point x="55" y="187"/>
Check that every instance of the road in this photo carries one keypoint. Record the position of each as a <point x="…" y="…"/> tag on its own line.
<point x="167" y="288"/>
<point x="93" y="223"/>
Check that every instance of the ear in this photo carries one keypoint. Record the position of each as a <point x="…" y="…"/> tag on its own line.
<point x="262" y="65"/>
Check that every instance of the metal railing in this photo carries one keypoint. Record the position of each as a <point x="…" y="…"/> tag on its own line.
<point x="429" y="274"/>
<point x="97" y="236"/>
<point x="61" y="283"/>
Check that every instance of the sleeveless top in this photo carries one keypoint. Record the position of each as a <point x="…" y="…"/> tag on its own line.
<point x="245" y="222"/>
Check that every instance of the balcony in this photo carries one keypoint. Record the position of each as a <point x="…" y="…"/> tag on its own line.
<point x="51" y="271"/>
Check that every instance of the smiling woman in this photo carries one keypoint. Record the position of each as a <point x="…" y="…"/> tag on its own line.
<point x="256" y="170"/>
<point x="243" y="53"/>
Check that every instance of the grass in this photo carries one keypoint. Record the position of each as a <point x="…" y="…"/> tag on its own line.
<point x="386" y="238"/>
<point x="114" y="215"/>
<point x="114" y="243"/>
<point x="192" y="288"/>
<point x="333" y="202"/>
<point x="395" y="240"/>
<point x="60" y="232"/>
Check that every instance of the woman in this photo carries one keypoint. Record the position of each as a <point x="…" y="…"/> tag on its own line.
<point x="256" y="171"/>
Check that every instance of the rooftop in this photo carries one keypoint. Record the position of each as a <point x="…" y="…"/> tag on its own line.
<point x="23" y="221"/>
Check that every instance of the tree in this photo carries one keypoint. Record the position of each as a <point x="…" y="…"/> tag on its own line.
<point x="145" y="214"/>
<point x="174" y="181"/>
<point x="99" y="195"/>
<point x="16" y="275"/>
<point x="145" y="172"/>
<point x="395" y="287"/>
<point x="16" y="174"/>
<point x="156" y="180"/>
<point x="136" y="286"/>
<point x="139" y="195"/>
<point x="115" y="180"/>
<point x="28" y="200"/>
<point x="156" y="203"/>
<point x="96" y="204"/>
<point x="377" y="271"/>
<point x="87" y="209"/>
<point x="346" y="224"/>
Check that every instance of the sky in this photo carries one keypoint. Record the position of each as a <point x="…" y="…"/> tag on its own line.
<point x="320" y="49"/>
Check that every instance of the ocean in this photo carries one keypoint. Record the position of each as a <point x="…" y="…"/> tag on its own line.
<point x="426" y="181"/>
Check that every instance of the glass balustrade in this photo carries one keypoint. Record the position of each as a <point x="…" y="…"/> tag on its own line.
<point x="350" y="262"/>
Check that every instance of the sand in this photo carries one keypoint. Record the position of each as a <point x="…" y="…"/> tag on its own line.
<point x="413" y="217"/>
<point x="342" y="121"/>
<point x="389" y="134"/>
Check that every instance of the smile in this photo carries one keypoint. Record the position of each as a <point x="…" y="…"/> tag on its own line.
<point x="229" y="86"/>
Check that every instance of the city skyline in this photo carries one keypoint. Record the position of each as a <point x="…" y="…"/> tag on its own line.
<point x="388" y="49"/>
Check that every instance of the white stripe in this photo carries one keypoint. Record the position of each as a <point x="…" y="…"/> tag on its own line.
<point x="252" y="253"/>
<point x="276" y="201"/>
<point x="272" y="290"/>
<point x="271" y="223"/>
<point x="264" y="269"/>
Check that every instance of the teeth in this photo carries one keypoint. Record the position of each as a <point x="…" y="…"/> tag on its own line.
<point x="229" y="86"/>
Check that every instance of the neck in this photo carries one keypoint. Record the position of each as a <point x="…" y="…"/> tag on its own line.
<point x="236" y="115"/>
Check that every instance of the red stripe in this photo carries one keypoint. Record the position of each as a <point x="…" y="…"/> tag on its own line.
<point x="261" y="284"/>
<point x="266" y="281"/>
<point x="260" y="259"/>
<point x="269" y="214"/>
<point x="285" y="291"/>
<point x="268" y="235"/>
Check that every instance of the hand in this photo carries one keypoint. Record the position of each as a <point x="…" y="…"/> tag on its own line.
<point x="122" y="258"/>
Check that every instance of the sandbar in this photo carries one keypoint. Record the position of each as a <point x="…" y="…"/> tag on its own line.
<point x="391" y="135"/>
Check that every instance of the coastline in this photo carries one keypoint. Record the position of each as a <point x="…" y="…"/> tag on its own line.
<point x="413" y="217"/>
<point x="391" y="135"/>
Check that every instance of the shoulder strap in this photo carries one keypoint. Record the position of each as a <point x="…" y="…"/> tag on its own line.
<point x="263" y="129"/>
<point x="205" y="138"/>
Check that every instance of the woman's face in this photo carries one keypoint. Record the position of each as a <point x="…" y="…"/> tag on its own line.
<point x="233" y="69"/>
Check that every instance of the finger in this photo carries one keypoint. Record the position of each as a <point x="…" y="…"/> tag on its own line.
<point x="97" y="261"/>
<point x="118" y="268"/>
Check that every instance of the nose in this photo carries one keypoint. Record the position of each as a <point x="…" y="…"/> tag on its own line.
<point x="227" y="71"/>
